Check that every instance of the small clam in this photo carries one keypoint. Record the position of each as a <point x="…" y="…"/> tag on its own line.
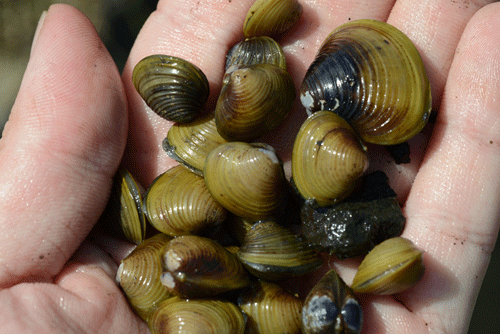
<point x="178" y="202"/>
<point x="124" y="213"/>
<point x="271" y="17"/>
<point x="392" y="266"/>
<point x="328" y="159"/>
<point x="197" y="316"/>
<point x="139" y="275"/>
<point x="253" y="101"/>
<point x="247" y="179"/>
<point x="196" y="267"/>
<point x="190" y="143"/>
<point x="271" y="252"/>
<point x="173" y="87"/>
<point x="372" y="75"/>
<point x="331" y="307"/>
<point x="270" y="309"/>
<point x="255" y="50"/>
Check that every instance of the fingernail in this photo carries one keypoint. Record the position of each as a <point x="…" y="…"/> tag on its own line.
<point x="38" y="28"/>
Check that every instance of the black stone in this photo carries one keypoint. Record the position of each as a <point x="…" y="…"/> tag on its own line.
<point x="353" y="227"/>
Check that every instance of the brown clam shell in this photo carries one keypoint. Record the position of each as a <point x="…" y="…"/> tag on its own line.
<point x="392" y="266"/>
<point x="172" y="87"/>
<point x="271" y="17"/>
<point x="271" y="252"/>
<point x="328" y="159"/>
<point x="253" y="101"/>
<point x="139" y="275"/>
<point x="197" y="316"/>
<point x="178" y="203"/>
<point x="270" y="309"/>
<point x="190" y="143"/>
<point x="247" y="179"/>
<point x="196" y="267"/>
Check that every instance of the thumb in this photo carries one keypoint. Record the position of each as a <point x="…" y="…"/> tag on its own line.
<point x="62" y="144"/>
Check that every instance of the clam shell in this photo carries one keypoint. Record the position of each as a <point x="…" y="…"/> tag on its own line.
<point x="331" y="307"/>
<point x="195" y="267"/>
<point x="270" y="309"/>
<point x="328" y="159"/>
<point x="247" y="179"/>
<point x="271" y="17"/>
<point x="173" y="87"/>
<point x="124" y="213"/>
<point x="178" y="203"/>
<point x="139" y="275"/>
<point x="197" y="316"/>
<point x="372" y="75"/>
<point x="392" y="266"/>
<point x="272" y="252"/>
<point x="255" y="50"/>
<point x="253" y="101"/>
<point x="190" y="143"/>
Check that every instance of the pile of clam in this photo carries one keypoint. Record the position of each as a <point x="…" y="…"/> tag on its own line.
<point x="230" y="226"/>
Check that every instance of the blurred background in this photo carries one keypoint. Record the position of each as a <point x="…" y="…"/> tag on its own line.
<point x="118" y="23"/>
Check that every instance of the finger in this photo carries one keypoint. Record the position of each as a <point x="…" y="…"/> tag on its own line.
<point x="60" y="148"/>
<point x="452" y="208"/>
<point x="202" y="33"/>
<point x="435" y="28"/>
<point x="83" y="299"/>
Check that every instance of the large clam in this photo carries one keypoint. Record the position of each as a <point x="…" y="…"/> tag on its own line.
<point x="372" y="75"/>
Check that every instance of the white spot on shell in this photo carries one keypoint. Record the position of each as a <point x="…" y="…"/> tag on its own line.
<point x="119" y="272"/>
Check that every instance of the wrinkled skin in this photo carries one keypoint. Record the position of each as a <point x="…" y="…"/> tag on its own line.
<point x="68" y="132"/>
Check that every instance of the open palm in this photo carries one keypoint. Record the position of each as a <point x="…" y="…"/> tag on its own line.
<point x="75" y="118"/>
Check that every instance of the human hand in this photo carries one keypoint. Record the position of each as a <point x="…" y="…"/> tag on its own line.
<point x="68" y="129"/>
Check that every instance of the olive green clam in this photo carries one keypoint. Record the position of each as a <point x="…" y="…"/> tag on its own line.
<point x="197" y="316"/>
<point x="178" y="203"/>
<point x="272" y="252"/>
<point x="328" y="159"/>
<point x="392" y="266"/>
<point x="270" y="309"/>
<point x="253" y="101"/>
<point x="255" y="50"/>
<point x="172" y="87"/>
<point x="190" y="143"/>
<point x="271" y="17"/>
<point x="246" y="178"/>
<point x="124" y="213"/>
<point x="372" y="75"/>
<point x="195" y="266"/>
<point x="139" y="275"/>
